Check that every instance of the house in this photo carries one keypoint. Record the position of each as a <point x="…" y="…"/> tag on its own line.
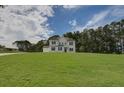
<point x="60" y="44"/>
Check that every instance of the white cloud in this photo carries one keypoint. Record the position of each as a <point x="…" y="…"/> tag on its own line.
<point x="24" y="23"/>
<point x="73" y="22"/>
<point x="94" y="22"/>
<point x="99" y="19"/>
<point x="96" y="19"/>
<point x="71" y="6"/>
<point x="117" y="11"/>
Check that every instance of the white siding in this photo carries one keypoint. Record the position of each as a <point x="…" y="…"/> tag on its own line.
<point x="62" y="42"/>
<point x="46" y="49"/>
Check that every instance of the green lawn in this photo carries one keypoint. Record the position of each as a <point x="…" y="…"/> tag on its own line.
<point x="62" y="69"/>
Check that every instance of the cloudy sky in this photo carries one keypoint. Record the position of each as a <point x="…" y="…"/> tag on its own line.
<point x="34" y="23"/>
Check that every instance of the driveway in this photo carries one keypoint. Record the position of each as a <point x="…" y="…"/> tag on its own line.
<point x="3" y="54"/>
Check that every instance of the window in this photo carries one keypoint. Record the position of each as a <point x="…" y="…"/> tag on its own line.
<point x="70" y="43"/>
<point x="53" y="48"/>
<point x="53" y="42"/>
<point x="60" y="43"/>
<point x="59" y="48"/>
<point x="71" y="49"/>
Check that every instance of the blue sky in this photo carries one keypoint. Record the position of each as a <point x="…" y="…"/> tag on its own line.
<point x="34" y="22"/>
<point x="60" y="21"/>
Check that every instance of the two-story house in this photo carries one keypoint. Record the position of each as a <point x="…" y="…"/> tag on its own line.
<point x="60" y="44"/>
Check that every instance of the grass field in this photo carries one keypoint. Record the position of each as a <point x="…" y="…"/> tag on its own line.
<point x="61" y="69"/>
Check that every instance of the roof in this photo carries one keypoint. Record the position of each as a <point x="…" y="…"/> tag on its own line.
<point x="68" y="39"/>
<point x="58" y="38"/>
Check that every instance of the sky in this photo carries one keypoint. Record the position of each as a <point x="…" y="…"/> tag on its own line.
<point x="35" y="23"/>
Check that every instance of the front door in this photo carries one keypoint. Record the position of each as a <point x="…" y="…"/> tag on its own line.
<point x="65" y="49"/>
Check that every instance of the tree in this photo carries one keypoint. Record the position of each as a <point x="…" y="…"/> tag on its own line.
<point x="76" y="36"/>
<point x="1" y="46"/>
<point x="106" y="39"/>
<point x="2" y="6"/>
<point x="39" y="46"/>
<point x="23" y="45"/>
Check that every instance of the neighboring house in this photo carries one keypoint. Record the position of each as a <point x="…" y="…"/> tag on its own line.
<point x="60" y="44"/>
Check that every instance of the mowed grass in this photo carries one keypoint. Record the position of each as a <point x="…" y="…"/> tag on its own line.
<point x="61" y="70"/>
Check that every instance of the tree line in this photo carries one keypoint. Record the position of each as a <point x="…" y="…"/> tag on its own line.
<point x="25" y="45"/>
<point x="106" y="39"/>
<point x="5" y="49"/>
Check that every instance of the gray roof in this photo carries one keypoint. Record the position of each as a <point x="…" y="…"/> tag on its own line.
<point x="57" y="38"/>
